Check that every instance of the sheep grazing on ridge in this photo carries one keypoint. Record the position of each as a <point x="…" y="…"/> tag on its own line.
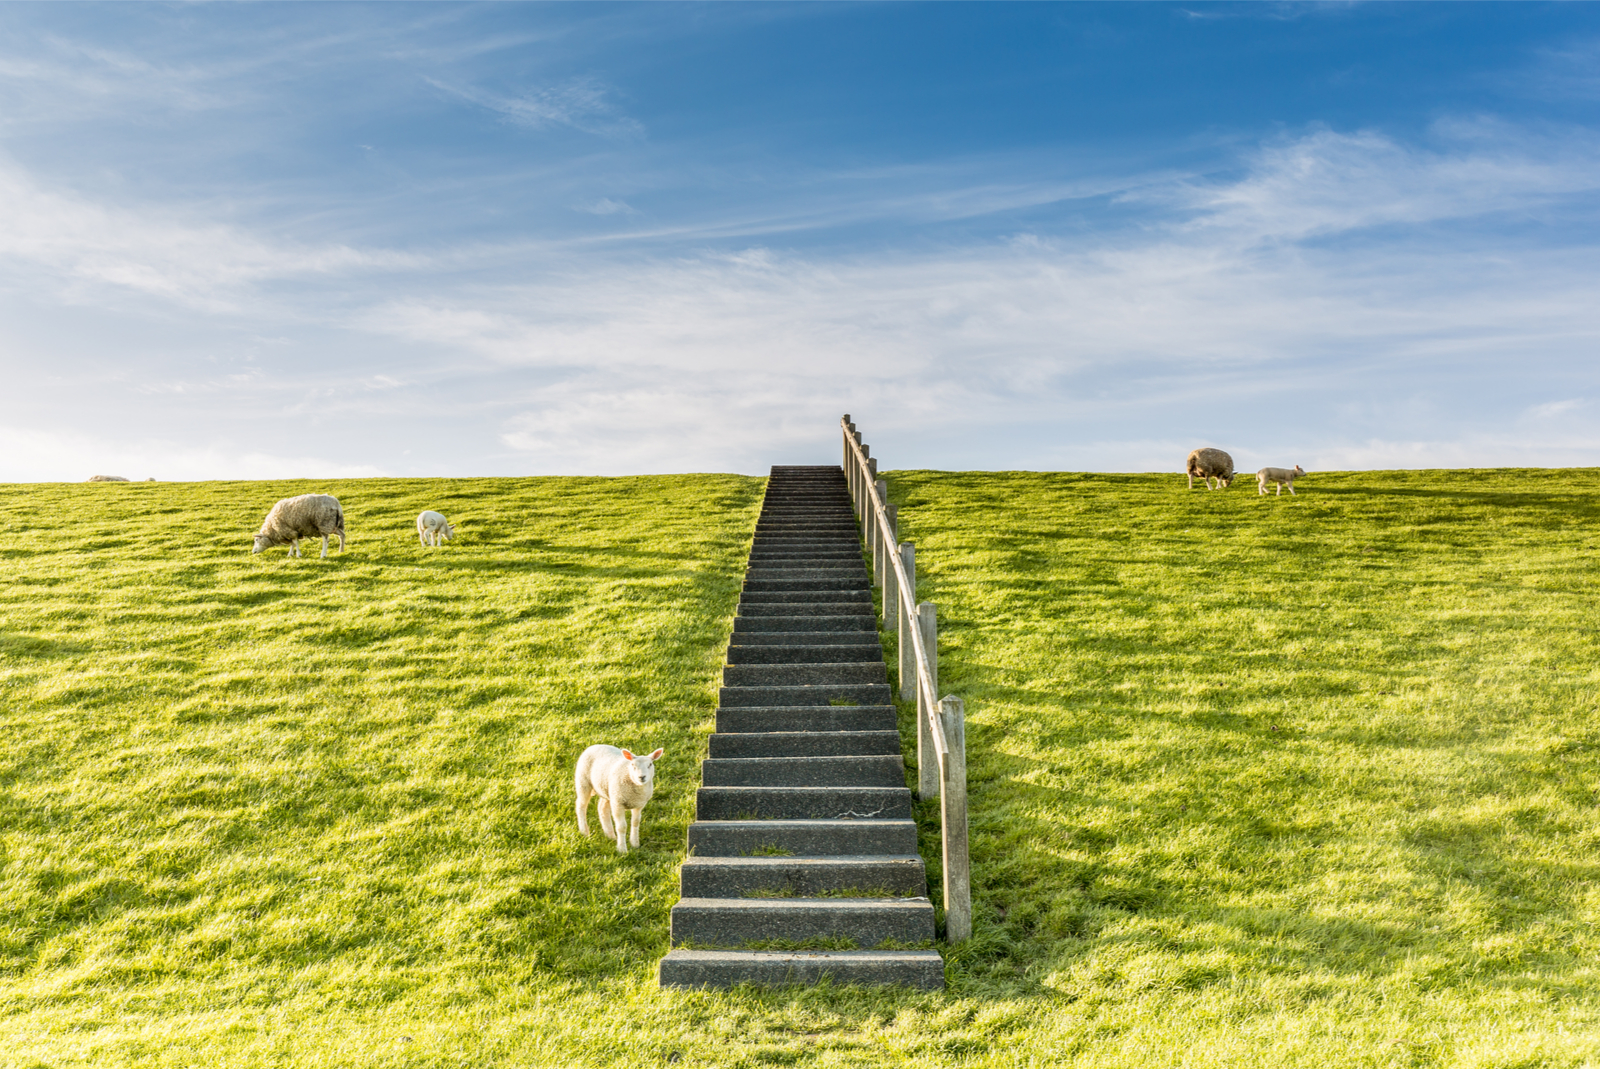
<point x="622" y="782"/>
<point x="306" y="516"/>
<point x="1210" y="464"/>
<point x="107" y="479"/>
<point x="1282" y="476"/>
<point x="434" y="528"/>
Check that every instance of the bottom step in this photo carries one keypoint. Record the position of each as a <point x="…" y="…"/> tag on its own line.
<point x="921" y="969"/>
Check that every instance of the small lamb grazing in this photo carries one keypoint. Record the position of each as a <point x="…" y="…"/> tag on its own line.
<point x="107" y="479"/>
<point x="432" y="526"/>
<point x="1210" y="464"/>
<point x="1282" y="476"/>
<point x="622" y="782"/>
<point x="306" y="516"/>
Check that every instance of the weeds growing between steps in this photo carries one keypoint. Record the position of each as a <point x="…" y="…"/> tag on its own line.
<point x="263" y="812"/>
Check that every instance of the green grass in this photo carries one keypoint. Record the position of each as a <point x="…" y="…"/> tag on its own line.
<point x="1284" y="781"/>
<point x="1273" y="780"/>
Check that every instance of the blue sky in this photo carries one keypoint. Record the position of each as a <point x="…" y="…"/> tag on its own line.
<point x="242" y="241"/>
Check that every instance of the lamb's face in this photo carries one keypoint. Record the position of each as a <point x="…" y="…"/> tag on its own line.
<point x="642" y="769"/>
<point x="260" y="543"/>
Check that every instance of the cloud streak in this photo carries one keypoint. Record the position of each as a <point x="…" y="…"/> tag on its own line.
<point x="580" y="103"/>
<point x="1238" y="309"/>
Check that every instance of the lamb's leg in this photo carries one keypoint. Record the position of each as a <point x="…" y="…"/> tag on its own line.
<point x="324" y="546"/>
<point x="603" y="807"/>
<point x="619" y="817"/>
<point x="1291" y="489"/>
<point x="638" y="819"/>
<point x="584" y="793"/>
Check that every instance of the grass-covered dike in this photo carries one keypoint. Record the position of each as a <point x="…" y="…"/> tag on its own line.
<point x="1255" y="781"/>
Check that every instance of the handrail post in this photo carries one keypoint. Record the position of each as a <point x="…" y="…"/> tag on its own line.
<point x="953" y="810"/>
<point x="908" y="649"/>
<point x="927" y="755"/>
<point x="868" y="481"/>
<point x="869" y="517"/>
<point x="891" y="596"/>
<point x="844" y="433"/>
<point x="880" y="492"/>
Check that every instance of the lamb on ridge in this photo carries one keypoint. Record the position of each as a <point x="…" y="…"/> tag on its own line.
<point x="306" y="516"/>
<point x="1282" y="476"/>
<point x="107" y="479"/>
<point x="622" y="782"/>
<point x="1210" y="464"/>
<point x="433" y="526"/>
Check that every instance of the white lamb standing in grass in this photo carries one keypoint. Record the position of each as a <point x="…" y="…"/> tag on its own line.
<point x="1282" y="476"/>
<point x="107" y="479"/>
<point x="306" y="516"/>
<point x="622" y="782"/>
<point x="431" y="526"/>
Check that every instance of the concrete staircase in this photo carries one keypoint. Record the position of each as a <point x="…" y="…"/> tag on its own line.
<point x="804" y="833"/>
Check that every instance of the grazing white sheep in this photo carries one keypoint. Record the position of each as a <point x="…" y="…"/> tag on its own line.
<point x="306" y="516"/>
<point x="107" y="479"/>
<point x="434" y="527"/>
<point x="1282" y="476"/>
<point x="622" y="782"/>
<point x="1210" y="464"/>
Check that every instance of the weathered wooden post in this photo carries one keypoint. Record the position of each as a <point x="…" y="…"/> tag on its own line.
<point x="908" y="649"/>
<point x="891" y="584"/>
<point x="953" y="811"/>
<point x="844" y="430"/>
<point x="927" y="755"/>
<point x="880" y="490"/>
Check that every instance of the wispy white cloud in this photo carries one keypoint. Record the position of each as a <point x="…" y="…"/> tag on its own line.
<point x="608" y="206"/>
<point x="1224" y="314"/>
<point x="1330" y="183"/>
<point x="581" y="103"/>
<point x="159" y="252"/>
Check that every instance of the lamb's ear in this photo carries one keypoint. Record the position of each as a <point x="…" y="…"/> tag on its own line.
<point x="657" y="755"/>
<point x="626" y="756"/>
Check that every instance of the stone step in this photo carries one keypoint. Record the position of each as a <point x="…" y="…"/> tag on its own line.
<point x="797" y="526"/>
<point x="853" y="622"/>
<point x="854" y="770"/>
<point x="828" y="695"/>
<point x="801" y="838"/>
<point x="804" y="608"/>
<point x="900" y="875"/>
<point x="920" y="970"/>
<point x="853" y="598"/>
<point x="768" y="719"/>
<point x="868" y="922"/>
<point x="851" y="577"/>
<point x="804" y="743"/>
<point x="806" y="638"/>
<point x="834" y="653"/>
<point x="803" y="675"/>
<point x="803" y="803"/>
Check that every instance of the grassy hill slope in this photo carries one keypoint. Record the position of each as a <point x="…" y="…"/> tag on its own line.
<point x="1281" y="782"/>
<point x="1273" y="781"/>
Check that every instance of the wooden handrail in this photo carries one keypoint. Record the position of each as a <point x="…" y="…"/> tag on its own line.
<point x="941" y="721"/>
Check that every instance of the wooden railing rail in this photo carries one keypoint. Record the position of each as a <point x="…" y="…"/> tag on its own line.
<point x="941" y="722"/>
